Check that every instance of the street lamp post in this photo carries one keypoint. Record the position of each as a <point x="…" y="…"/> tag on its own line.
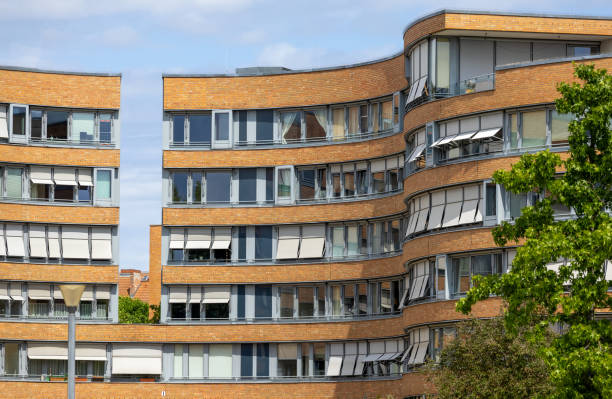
<point x="72" y="296"/>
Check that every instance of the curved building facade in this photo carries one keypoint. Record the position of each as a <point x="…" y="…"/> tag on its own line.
<point x="318" y="226"/>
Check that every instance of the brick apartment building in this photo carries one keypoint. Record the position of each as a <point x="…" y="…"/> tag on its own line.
<point x="317" y="227"/>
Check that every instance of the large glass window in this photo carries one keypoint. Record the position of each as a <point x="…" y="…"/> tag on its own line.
<point x="287" y="360"/>
<point x="13" y="182"/>
<point x="247" y="190"/>
<point x="283" y="183"/>
<point x="305" y="301"/>
<point x="178" y="129"/>
<point x="319" y="359"/>
<point x="83" y="126"/>
<point x="338" y="123"/>
<point x="559" y="127"/>
<point x="349" y="300"/>
<point x="307" y="183"/>
<point x="337" y="242"/>
<point x="349" y="180"/>
<point x="286" y="302"/>
<point x="442" y="65"/>
<point x="387" y="115"/>
<point x="11" y="359"/>
<point x="200" y="129"/>
<point x="179" y="187"/>
<point x="105" y="128"/>
<point x="466" y="267"/>
<point x="57" y="125"/>
<point x="263" y="360"/>
<point x="246" y="360"/>
<point x="218" y="186"/>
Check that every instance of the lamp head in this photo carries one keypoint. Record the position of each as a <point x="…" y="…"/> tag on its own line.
<point x="72" y="294"/>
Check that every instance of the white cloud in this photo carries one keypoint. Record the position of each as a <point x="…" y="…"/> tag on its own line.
<point x="287" y="55"/>
<point x="118" y="36"/>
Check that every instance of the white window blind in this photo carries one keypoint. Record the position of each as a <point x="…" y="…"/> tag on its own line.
<point x="47" y="350"/>
<point x="223" y="238"/>
<point x="39" y="291"/>
<point x="53" y="241"/>
<point x="38" y="243"/>
<point x="14" y="240"/>
<point x="220" y="360"/>
<point x="178" y="294"/>
<point x="64" y="176"/>
<point x="423" y="212"/>
<point x="75" y="242"/>
<point x="101" y="247"/>
<point x="217" y="294"/>
<point x="452" y="212"/>
<point x="287" y="352"/>
<point x="103" y="291"/>
<point x="195" y="294"/>
<point x="313" y="241"/>
<point x="377" y="165"/>
<point x="15" y="292"/>
<point x="136" y="359"/>
<point x="87" y="294"/>
<point x="3" y="123"/>
<point x="437" y="209"/>
<point x="288" y="242"/>
<point x="196" y="364"/>
<point x="57" y="292"/>
<point x="199" y="238"/>
<point x="85" y="177"/>
<point x="4" y="292"/>
<point x="2" y="245"/>
<point x="177" y="238"/>
<point x="90" y="351"/>
<point x="40" y="175"/>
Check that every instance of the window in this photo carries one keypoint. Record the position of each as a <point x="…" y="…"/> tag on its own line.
<point x="291" y="126"/>
<point x="247" y="189"/>
<point x="305" y="297"/>
<point x="57" y="125"/>
<point x="246" y="360"/>
<point x="105" y="127"/>
<point x="200" y="129"/>
<point x="83" y="126"/>
<point x="349" y="300"/>
<point x="387" y="115"/>
<point x="321" y="300"/>
<point x="534" y="128"/>
<point x="216" y="302"/>
<point x="11" y="358"/>
<point x="338" y="123"/>
<point x="353" y="120"/>
<point x="196" y="187"/>
<point x="264" y="131"/>
<point x="316" y="124"/>
<point x="306" y="179"/>
<point x="338" y="242"/>
<point x="18" y="123"/>
<point x="222" y="126"/>
<point x="582" y="50"/>
<point x="349" y="180"/>
<point x="178" y="129"/>
<point x="269" y="184"/>
<point x="286" y="302"/>
<point x="491" y="199"/>
<point x="283" y="183"/>
<point x="466" y="267"/>
<point x="36" y="117"/>
<point x="559" y="127"/>
<point x="263" y="301"/>
<point x="263" y="360"/>
<point x="178" y="361"/>
<point x="363" y="119"/>
<point x="4" y="130"/>
<point x="375" y="108"/>
<point x="218" y="186"/>
<point x="319" y="359"/>
<point x="103" y="184"/>
<point x="13" y="183"/>
<point x="263" y="242"/>
<point x="287" y="360"/>
<point x="305" y="348"/>
<point x="442" y="66"/>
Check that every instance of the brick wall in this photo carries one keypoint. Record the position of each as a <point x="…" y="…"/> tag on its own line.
<point x="65" y="156"/>
<point x="59" y="214"/>
<point x="506" y="23"/>
<point x="63" y="273"/>
<point x="285" y="214"/>
<point x="155" y="269"/>
<point x="286" y="90"/>
<point x="285" y="156"/>
<point x="60" y="90"/>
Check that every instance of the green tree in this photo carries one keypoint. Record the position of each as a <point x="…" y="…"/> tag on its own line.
<point x="485" y="362"/>
<point x="133" y="310"/>
<point x="580" y="360"/>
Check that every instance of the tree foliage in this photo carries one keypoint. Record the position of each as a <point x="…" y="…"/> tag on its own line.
<point x="580" y="360"/>
<point x="133" y="310"/>
<point x="485" y="362"/>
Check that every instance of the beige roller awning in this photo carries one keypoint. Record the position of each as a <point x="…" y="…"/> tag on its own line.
<point x="136" y="359"/>
<point x="217" y="294"/>
<point x="199" y="238"/>
<point x="64" y="176"/>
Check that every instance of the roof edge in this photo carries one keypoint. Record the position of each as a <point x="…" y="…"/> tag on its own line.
<point x="292" y="71"/>
<point x="49" y="71"/>
<point x="501" y="13"/>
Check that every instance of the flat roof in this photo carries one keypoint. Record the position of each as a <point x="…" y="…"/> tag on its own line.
<point x="502" y="13"/>
<point x="26" y="69"/>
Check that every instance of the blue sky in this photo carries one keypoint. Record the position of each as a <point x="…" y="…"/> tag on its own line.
<point x="141" y="39"/>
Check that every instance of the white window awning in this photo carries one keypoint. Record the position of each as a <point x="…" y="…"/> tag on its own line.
<point x="4" y="294"/>
<point x="417" y="152"/>
<point x="40" y="175"/>
<point x="463" y="136"/>
<point x="288" y="242"/>
<point x="14" y="240"/>
<point x="38" y="243"/>
<point x="416" y="288"/>
<point x="445" y="140"/>
<point x="64" y="176"/>
<point x="177" y="238"/>
<point x="85" y="177"/>
<point x="468" y="213"/>
<point x="195" y="294"/>
<point x="435" y="217"/>
<point x="223" y="238"/>
<point x="53" y="241"/>
<point x="390" y="356"/>
<point x="101" y="247"/>
<point x="75" y="242"/>
<point x="348" y="365"/>
<point x="39" y="291"/>
<point x="372" y="357"/>
<point x="313" y="241"/>
<point x="360" y="364"/>
<point x="333" y="366"/>
<point x="103" y="292"/>
<point x="2" y="245"/>
<point x="484" y="134"/>
<point x="15" y="292"/>
<point x="217" y="294"/>
<point x="451" y="214"/>
<point x="199" y="238"/>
